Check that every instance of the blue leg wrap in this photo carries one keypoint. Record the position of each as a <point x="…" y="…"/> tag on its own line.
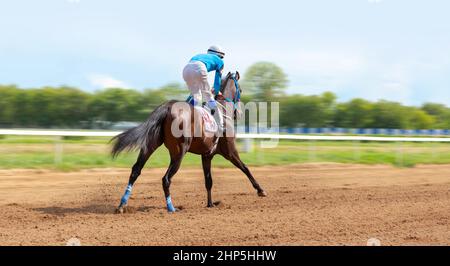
<point x="170" y="207"/>
<point x="126" y="196"/>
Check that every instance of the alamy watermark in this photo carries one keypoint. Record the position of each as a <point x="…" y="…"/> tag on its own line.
<point x="239" y="118"/>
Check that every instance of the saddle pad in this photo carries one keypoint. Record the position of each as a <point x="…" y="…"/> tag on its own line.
<point x="208" y="120"/>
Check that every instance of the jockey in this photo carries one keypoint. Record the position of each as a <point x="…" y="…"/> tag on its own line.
<point x="195" y="74"/>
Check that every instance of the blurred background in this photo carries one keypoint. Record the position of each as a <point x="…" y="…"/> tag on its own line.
<point x="336" y="67"/>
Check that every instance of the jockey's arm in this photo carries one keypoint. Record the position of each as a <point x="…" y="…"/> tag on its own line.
<point x="217" y="81"/>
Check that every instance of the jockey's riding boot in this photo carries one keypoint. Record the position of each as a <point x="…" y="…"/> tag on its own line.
<point x="219" y="119"/>
<point x="217" y="114"/>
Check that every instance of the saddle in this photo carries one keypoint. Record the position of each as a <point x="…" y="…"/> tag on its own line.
<point x="209" y="122"/>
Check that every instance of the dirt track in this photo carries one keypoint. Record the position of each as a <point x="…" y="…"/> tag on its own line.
<point x="318" y="204"/>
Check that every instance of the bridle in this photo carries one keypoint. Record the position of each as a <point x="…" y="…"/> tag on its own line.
<point x="237" y="94"/>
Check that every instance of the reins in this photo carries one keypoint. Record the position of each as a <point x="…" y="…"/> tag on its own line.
<point x="237" y="94"/>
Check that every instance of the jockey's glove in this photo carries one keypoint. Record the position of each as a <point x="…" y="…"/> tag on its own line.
<point x="212" y="104"/>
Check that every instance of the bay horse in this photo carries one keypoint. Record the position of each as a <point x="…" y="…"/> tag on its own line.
<point x="157" y="129"/>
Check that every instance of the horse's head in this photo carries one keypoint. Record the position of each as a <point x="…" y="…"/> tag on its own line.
<point x="230" y="88"/>
<point x="231" y="91"/>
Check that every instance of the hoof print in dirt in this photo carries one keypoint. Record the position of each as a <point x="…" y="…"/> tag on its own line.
<point x="218" y="204"/>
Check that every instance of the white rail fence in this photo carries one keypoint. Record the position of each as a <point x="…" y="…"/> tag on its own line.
<point x="248" y="139"/>
<point x="63" y="133"/>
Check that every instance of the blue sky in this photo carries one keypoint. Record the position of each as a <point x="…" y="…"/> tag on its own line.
<point x="391" y="49"/>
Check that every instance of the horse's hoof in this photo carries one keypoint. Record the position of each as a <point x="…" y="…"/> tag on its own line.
<point x="174" y="210"/>
<point x="121" y="210"/>
<point x="262" y="193"/>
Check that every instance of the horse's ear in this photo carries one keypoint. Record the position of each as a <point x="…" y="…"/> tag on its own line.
<point x="238" y="76"/>
<point x="229" y="73"/>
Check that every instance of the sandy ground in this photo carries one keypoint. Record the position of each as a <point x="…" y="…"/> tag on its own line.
<point x="312" y="204"/>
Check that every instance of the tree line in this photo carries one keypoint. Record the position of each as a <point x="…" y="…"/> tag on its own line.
<point x="267" y="82"/>
<point x="69" y="107"/>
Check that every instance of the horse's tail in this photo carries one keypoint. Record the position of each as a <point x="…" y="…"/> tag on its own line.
<point x="147" y="134"/>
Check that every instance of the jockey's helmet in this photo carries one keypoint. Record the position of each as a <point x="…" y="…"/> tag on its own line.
<point x="217" y="50"/>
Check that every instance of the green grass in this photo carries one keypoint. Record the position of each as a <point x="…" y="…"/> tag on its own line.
<point x="83" y="153"/>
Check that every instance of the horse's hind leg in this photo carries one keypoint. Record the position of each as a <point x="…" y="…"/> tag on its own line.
<point x="135" y="172"/>
<point x="206" y="162"/>
<point x="175" y="162"/>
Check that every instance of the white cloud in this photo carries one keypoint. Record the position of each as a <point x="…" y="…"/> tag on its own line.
<point x="105" y="81"/>
<point x="311" y="62"/>
<point x="310" y="70"/>
<point x="395" y="83"/>
<point x="374" y="1"/>
<point x="380" y="80"/>
<point x="320" y="62"/>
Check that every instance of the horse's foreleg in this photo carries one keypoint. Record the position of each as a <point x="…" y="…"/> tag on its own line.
<point x="206" y="162"/>
<point x="135" y="172"/>
<point x="234" y="159"/>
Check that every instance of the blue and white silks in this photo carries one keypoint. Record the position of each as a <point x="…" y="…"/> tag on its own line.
<point x="212" y="63"/>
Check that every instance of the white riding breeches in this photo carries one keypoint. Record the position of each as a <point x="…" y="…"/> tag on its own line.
<point x="196" y="76"/>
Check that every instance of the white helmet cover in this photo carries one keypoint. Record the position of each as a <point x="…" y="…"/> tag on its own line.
<point x="217" y="50"/>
